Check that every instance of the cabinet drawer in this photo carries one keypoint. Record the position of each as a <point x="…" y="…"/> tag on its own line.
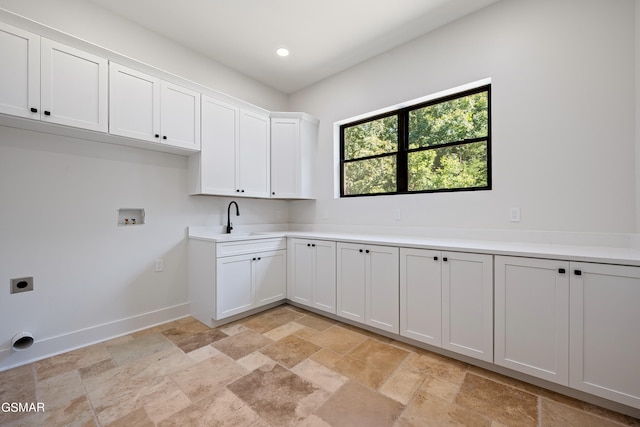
<point x="250" y="246"/>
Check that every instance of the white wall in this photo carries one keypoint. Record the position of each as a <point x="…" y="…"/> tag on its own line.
<point x="563" y="111"/>
<point x="59" y="200"/>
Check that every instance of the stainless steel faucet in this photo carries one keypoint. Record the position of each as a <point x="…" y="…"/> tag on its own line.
<point x="229" y="225"/>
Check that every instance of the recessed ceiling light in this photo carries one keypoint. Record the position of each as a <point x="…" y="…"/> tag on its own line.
<point x="281" y="51"/>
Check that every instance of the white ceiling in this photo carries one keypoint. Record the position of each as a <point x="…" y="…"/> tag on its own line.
<point x="324" y="36"/>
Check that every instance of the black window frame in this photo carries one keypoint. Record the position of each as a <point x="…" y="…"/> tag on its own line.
<point x="402" y="172"/>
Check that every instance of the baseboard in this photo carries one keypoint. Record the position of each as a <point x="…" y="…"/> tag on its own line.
<point x="47" y="347"/>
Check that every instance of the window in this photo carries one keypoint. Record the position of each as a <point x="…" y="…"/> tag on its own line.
<point x="440" y="145"/>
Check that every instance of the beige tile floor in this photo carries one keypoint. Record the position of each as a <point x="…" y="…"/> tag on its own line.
<point x="283" y="367"/>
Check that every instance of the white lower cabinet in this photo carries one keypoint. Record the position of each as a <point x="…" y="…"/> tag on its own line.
<point x="249" y="281"/>
<point x="467" y="304"/>
<point x="446" y="300"/>
<point x="603" y="329"/>
<point x="229" y="278"/>
<point x="367" y="285"/>
<point x="421" y="295"/>
<point x="271" y="277"/>
<point x="312" y="273"/>
<point x="532" y="317"/>
<point x="571" y="323"/>
<point x="235" y="285"/>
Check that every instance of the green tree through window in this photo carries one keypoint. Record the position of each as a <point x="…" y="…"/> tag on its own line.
<point x="442" y="145"/>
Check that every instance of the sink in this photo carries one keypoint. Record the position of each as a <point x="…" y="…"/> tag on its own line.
<point x="210" y="233"/>
<point x="247" y="236"/>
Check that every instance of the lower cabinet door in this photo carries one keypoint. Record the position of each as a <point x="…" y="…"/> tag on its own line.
<point x="300" y="280"/>
<point x="532" y="317"/>
<point x="467" y="304"/>
<point x="382" y="306"/>
<point x="324" y="276"/>
<point x="421" y="295"/>
<point x="234" y="285"/>
<point x="351" y="281"/>
<point x="604" y="320"/>
<point x="270" y="276"/>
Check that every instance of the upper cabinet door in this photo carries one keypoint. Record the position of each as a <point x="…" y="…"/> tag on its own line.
<point x="74" y="87"/>
<point x="217" y="160"/>
<point x="20" y="72"/>
<point x="285" y="158"/>
<point x="253" y="154"/>
<point x="134" y="104"/>
<point x="294" y="138"/>
<point x="180" y="116"/>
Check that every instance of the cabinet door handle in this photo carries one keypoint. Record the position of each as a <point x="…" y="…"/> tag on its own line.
<point x="157" y="136"/>
<point x="273" y="193"/>
<point x="47" y="113"/>
<point x="34" y="110"/>
<point x="308" y="245"/>
<point x="238" y="190"/>
<point x="562" y="270"/>
<point x="435" y="258"/>
<point x="445" y="259"/>
<point x="253" y="259"/>
<point x="577" y="272"/>
<point x="242" y="191"/>
<point x="259" y="258"/>
<point x="360" y="250"/>
<point x="367" y="251"/>
<point x="164" y="136"/>
<point x="313" y="245"/>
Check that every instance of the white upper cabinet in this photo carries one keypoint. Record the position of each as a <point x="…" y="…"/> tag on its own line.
<point x="234" y="156"/>
<point x="147" y="108"/>
<point x="20" y="72"/>
<point x="134" y="104"/>
<point x="253" y="166"/>
<point x="213" y="170"/>
<point x="179" y="116"/>
<point x="74" y="87"/>
<point x="45" y="80"/>
<point x="293" y="145"/>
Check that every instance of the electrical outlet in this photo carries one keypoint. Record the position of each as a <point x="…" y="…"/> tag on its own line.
<point x="514" y="215"/>
<point x="396" y="214"/>
<point x="159" y="265"/>
<point x="21" y="284"/>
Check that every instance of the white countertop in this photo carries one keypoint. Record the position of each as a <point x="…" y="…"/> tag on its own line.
<point x="607" y="255"/>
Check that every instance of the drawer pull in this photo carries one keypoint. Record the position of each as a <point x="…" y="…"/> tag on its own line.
<point x="561" y="270"/>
